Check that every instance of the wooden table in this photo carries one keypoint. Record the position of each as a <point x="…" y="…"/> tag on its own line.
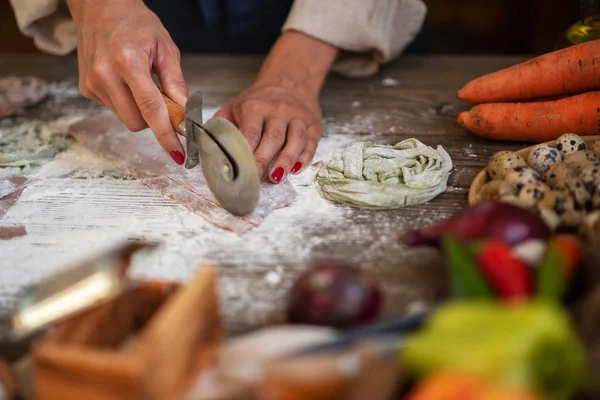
<point x="68" y="218"/>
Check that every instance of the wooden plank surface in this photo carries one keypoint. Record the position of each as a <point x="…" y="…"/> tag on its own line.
<point x="71" y="217"/>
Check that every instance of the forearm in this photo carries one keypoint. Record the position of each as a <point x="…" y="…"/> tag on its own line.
<point x="80" y="8"/>
<point x="298" y="59"/>
<point x="376" y="30"/>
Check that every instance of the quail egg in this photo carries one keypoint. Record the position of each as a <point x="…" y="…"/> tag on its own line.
<point x="581" y="160"/>
<point x="504" y="161"/>
<point x="495" y="190"/>
<point x="543" y="157"/>
<point x="532" y="193"/>
<point x="521" y="176"/>
<point x="590" y="177"/>
<point x="569" y="143"/>
<point x="550" y="217"/>
<point x="582" y="156"/>
<point x="514" y="200"/>
<point x="577" y="190"/>
<point x="558" y="173"/>
<point x="590" y="226"/>
<point x="563" y="205"/>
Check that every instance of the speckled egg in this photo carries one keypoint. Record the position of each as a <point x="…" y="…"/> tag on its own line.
<point x="563" y="205"/>
<point x="543" y="157"/>
<point x="582" y="156"/>
<point x="581" y="160"/>
<point x="590" y="177"/>
<point x="495" y="190"/>
<point x="504" y="161"/>
<point x="557" y="174"/>
<point x="532" y="193"/>
<point x="521" y="176"/>
<point x="577" y="190"/>
<point x="550" y="217"/>
<point x="569" y="143"/>
<point x="595" y="147"/>
<point x="514" y="200"/>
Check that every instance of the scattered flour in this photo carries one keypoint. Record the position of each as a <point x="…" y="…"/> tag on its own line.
<point x="81" y="205"/>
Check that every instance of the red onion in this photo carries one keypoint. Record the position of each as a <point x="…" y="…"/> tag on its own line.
<point x="506" y="222"/>
<point x="334" y="294"/>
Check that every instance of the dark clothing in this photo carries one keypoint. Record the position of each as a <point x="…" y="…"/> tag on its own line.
<point x="231" y="26"/>
<point x="196" y="29"/>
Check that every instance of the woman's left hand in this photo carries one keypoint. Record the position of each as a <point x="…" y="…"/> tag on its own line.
<point x="281" y="121"/>
<point x="279" y="114"/>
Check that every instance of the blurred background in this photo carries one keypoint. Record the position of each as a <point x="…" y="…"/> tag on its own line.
<point x="455" y="26"/>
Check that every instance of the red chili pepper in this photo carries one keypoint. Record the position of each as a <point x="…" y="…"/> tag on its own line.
<point x="508" y="275"/>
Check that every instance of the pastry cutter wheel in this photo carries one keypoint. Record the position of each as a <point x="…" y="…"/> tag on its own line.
<point x="223" y="152"/>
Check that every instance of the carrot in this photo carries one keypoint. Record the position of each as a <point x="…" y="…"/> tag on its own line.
<point x="445" y="385"/>
<point x="575" y="69"/>
<point x="535" y="121"/>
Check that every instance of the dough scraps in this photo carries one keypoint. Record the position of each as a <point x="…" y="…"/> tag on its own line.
<point x="9" y="232"/>
<point x="377" y="176"/>
<point x="10" y="191"/>
<point x="139" y="155"/>
<point x="27" y="146"/>
<point x="18" y="92"/>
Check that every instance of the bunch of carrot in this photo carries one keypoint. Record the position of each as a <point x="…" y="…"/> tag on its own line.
<point x="537" y="100"/>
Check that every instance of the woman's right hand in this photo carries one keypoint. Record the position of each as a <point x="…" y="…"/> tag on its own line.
<point x="120" y="44"/>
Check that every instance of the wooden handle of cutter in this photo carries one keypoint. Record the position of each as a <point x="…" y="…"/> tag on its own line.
<point x="176" y="112"/>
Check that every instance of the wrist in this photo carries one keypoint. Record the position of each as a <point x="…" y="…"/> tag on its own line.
<point x="298" y="59"/>
<point x="78" y="8"/>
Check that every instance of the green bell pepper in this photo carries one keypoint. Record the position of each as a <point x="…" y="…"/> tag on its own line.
<point x="530" y="345"/>
<point x="552" y="279"/>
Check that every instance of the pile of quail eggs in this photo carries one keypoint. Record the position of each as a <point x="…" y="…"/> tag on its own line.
<point x="561" y="181"/>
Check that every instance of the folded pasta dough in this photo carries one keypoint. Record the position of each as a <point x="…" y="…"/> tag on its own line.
<point x="385" y="177"/>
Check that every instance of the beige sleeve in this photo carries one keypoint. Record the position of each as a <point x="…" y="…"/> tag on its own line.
<point x="378" y="29"/>
<point x="48" y="22"/>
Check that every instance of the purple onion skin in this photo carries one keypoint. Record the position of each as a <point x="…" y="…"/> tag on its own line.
<point x="506" y="222"/>
<point x="330" y="293"/>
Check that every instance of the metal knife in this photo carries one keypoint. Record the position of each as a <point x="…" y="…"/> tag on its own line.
<point x="223" y="153"/>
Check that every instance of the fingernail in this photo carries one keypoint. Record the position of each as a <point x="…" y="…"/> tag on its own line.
<point x="277" y="174"/>
<point x="177" y="157"/>
<point x="297" y="167"/>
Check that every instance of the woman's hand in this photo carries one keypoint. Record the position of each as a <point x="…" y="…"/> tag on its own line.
<point x="120" y="44"/>
<point x="280" y="113"/>
<point x="277" y="117"/>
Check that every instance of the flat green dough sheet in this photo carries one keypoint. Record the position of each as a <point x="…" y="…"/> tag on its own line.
<point x="379" y="176"/>
<point x="27" y="146"/>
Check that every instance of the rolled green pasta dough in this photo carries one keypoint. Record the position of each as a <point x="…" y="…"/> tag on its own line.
<point x="382" y="176"/>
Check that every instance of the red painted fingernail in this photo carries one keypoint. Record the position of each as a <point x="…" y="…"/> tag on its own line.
<point x="177" y="157"/>
<point x="297" y="167"/>
<point x="277" y="174"/>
